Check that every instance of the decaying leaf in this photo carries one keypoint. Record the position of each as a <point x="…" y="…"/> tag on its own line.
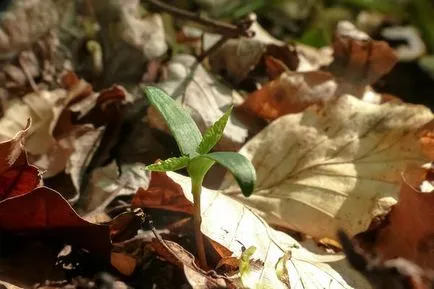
<point x="335" y="167"/>
<point x="238" y="57"/>
<point x="292" y="92"/>
<point x="206" y="98"/>
<point x="357" y="58"/>
<point x="240" y="225"/>
<point x="197" y="278"/>
<point x="409" y="232"/>
<point x="17" y="177"/>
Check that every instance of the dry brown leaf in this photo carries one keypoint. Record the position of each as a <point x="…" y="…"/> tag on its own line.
<point x="335" y="167"/>
<point x="358" y="59"/>
<point x="238" y="57"/>
<point x="204" y="96"/>
<point x="162" y="193"/>
<point x="197" y="278"/>
<point x="292" y="92"/>
<point x="409" y="232"/>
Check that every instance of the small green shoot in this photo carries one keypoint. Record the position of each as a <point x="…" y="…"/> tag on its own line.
<point x="196" y="156"/>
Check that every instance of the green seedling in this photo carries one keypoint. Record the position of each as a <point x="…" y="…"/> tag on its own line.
<point x="196" y="156"/>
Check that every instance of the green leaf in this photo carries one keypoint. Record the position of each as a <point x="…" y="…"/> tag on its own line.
<point x="245" y="260"/>
<point x="171" y="164"/>
<point x="239" y="166"/>
<point x="214" y="133"/>
<point x="181" y="125"/>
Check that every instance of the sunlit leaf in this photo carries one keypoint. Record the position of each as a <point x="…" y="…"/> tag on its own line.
<point x="214" y="133"/>
<point x="171" y="164"/>
<point x="181" y="125"/>
<point x="239" y="166"/>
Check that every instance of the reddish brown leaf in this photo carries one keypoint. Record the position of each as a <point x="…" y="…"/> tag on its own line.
<point x="410" y="230"/>
<point x="45" y="212"/>
<point x="292" y="92"/>
<point x="357" y="58"/>
<point x="17" y="177"/>
<point x="162" y="193"/>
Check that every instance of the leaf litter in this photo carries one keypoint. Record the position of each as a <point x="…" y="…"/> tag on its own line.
<point x="330" y="155"/>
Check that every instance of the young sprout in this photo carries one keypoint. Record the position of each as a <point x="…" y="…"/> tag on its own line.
<point x="196" y="156"/>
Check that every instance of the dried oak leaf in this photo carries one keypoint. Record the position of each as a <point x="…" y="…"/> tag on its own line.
<point x="409" y="232"/>
<point x="291" y="92"/>
<point x="204" y="96"/>
<point x="333" y="167"/>
<point x="358" y="59"/>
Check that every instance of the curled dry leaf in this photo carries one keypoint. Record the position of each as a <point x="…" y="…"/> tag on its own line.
<point x="238" y="57"/>
<point x="197" y="278"/>
<point x="409" y="232"/>
<point x="335" y="167"/>
<point x="357" y="58"/>
<point x="17" y="177"/>
<point x="292" y="92"/>
<point x="239" y="226"/>
<point x="206" y="98"/>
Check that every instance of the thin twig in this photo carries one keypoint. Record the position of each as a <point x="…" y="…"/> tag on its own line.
<point x="229" y="30"/>
<point x="212" y="49"/>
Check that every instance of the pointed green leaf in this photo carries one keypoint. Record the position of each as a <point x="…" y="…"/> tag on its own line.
<point x="171" y="164"/>
<point x="180" y="123"/>
<point x="214" y="133"/>
<point x="239" y="166"/>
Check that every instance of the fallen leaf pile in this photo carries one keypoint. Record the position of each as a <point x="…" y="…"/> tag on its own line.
<point x="340" y="166"/>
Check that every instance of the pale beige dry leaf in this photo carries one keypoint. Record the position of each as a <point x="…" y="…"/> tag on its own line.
<point x="240" y="226"/>
<point x="106" y="183"/>
<point x="336" y="167"/>
<point x="26" y="22"/>
<point x="9" y="285"/>
<point x="43" y="108"/>
<point x="205" y="97"/>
